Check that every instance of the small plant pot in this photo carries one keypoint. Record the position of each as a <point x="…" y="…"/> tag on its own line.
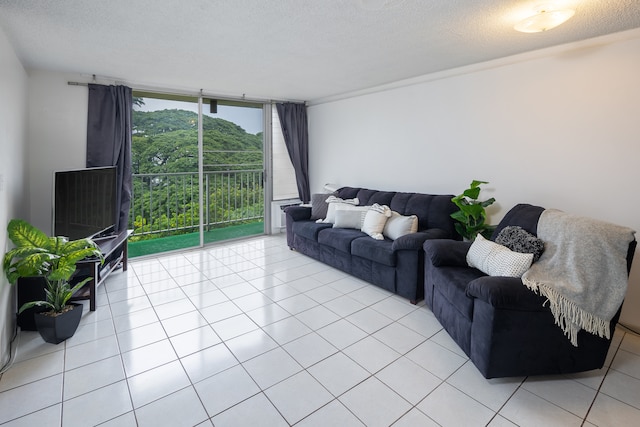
<point x="55" y="329"/>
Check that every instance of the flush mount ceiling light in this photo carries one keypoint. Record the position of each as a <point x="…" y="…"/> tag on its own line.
<point x="545" y="18"/>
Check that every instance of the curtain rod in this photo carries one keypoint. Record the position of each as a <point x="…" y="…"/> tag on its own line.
<point x="167" y="91"/>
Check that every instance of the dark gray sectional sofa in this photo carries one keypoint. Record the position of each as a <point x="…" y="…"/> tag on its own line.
<point x="395" y="265"/>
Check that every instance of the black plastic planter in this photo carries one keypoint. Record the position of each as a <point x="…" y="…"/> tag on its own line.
<point x="30" y="289"/>
<point x="55" y="329"/>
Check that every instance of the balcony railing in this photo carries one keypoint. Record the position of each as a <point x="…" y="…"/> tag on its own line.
<point x="167" y="204"/>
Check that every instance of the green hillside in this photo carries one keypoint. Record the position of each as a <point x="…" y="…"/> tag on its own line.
<point x="167" y="141"/>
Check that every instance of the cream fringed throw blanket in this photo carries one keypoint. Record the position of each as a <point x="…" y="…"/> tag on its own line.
<point x="582" y="272"/>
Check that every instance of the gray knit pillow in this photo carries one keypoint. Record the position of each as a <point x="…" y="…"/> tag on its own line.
<point x="520" y="240"/>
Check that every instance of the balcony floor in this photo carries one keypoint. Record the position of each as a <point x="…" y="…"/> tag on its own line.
<point x="191" y="240"/>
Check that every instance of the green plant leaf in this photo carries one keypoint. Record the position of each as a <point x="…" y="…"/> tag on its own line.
<point x="488" y="202"/>
<point x="472" y="193"/>
<point x="474" y="211"/>
<point x="13" y="258"/>
<point x="82" y="252"/>
<point x="63" y="270"/>
<point x="23" y="234"/>
<point x="35" y="264"/>
<point x="459" y="216"/>
<point x="67" y="248"/>
<point x="475" y="183"/>
<point x="30" y="304"/>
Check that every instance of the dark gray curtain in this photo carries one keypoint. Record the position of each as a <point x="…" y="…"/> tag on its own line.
<point x="293" y="120"/>
<point x="109" y="139"/>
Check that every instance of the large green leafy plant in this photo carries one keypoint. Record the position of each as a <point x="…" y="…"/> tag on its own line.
<point x="472" y="214"/>
<point x="53" y="258"/>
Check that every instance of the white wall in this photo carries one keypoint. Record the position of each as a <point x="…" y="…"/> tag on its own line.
<point x="13" y="143"/>
<point x="58" y="135"/>
<point x="557" y="128"/>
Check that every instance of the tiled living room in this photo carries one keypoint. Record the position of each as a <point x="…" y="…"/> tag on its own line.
<point x="251" y="333"/>
<point x="414" y="96"/>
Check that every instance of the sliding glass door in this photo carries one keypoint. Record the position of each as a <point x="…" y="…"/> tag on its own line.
<point x="196" y="178"/>
<point x="233" y="169"/>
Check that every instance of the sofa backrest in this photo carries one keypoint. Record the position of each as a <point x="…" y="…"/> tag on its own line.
<point x="523" y="215"/>
<point x="432" y="210"/>
<point x="527" y="216"/>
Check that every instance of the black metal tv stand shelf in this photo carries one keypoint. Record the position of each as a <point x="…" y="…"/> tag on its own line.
<point x="114" y="251"/>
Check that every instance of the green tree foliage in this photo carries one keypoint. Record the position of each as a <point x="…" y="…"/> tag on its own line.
<point x="165" y="153"/>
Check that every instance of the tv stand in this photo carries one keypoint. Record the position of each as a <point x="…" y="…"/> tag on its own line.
<point x="114" y="251"/>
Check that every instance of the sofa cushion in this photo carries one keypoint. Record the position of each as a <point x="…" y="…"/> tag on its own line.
<point x="339" y="238"/>
<point x="347" y="192"/>
<point x="497" y="260"/>
<point x="379" y="197"/>
<point x="364" y="194"/>
<point x="379" y="251"/>
<point x="309" y="229"/>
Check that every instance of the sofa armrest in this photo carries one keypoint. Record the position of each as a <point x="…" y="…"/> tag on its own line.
<point x="414" y="241"/>
<point x="507" y="293"/>
<point x="298" y="213"/>
<point x="293" y="214"/>
<point x="447" y="252"/>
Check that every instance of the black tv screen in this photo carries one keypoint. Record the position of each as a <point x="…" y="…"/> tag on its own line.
<point x="85" y="202"/>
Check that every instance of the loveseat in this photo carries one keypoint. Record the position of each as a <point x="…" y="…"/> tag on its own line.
<point x="505" y="328"/>
<point x="396" y="265"/>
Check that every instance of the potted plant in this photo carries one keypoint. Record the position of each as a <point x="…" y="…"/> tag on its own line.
<point x="53" y="259"/>
<point x="472" y="215"/>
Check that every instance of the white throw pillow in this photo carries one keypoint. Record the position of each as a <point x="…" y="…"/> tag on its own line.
<point x="336" y="203"/>
<point x="399" y="225"/>
<point x="375" y="219"/>
<point x="350" y="218"/>
<point x="497" y="260"/>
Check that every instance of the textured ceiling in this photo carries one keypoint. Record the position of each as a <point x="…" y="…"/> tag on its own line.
<point x="284" y="49"/>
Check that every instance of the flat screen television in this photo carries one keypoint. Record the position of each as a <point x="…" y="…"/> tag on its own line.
<point x="84" y="203"/>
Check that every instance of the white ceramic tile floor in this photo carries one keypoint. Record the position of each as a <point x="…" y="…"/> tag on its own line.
<point x="251" y="333"/>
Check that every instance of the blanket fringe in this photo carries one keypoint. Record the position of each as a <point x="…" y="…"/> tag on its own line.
<point x="568" y="316"/>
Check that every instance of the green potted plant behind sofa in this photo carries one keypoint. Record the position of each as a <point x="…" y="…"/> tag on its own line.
<point x="54" y="259"/>
<point x="472" y="214"/>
